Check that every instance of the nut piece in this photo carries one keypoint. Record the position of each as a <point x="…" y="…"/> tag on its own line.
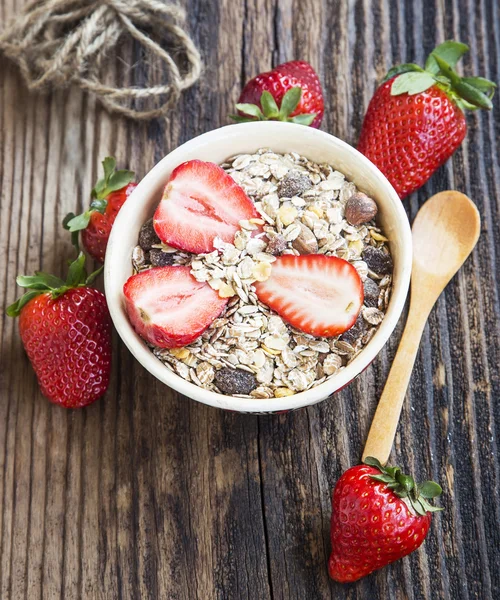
<point x="294" y="184"/>
<point x="234" y="381"/>
<point x="147" y="236"/>
<point x="226" y="291"/>
<point x="360" y="209"/>
<point x="158" y="258"/>
<point x="306" y="242"/>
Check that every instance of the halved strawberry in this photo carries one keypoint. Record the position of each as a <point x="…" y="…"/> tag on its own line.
<point x="168" y="307"/>
<point x="201" y="201"/>
<point x="320" y="295"/>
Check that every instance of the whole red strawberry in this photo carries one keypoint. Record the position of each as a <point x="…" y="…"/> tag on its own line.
<point x="290" y="92"/>
<point x="379" y="515"/>
<point x="65" y="328"/>
<point x="415" y="120"/>
<point x="108" y="197"/>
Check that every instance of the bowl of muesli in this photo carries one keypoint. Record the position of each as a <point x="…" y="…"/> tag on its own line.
<point x="259" y="267"/>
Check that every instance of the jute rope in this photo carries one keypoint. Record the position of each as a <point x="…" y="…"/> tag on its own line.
<point x="62" y="42"/>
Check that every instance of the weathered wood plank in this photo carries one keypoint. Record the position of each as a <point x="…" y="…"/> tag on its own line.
<point x="147" y="494"/>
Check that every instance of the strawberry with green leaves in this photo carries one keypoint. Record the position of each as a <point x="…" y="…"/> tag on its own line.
<point x="415" y="120"/>
<point x="289" y="92"/>
<point x="379" y="515"/>
<point x="65" y="328"/>
<point x="108" y="197"/>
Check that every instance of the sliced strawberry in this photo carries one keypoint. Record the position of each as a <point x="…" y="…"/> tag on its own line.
<point x="320" y="295"/>
<point x="168" y="307"/>
<point x="201" y="201"/>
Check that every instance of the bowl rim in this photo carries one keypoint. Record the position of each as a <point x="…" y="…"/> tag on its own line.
<point x="143" y="354"/>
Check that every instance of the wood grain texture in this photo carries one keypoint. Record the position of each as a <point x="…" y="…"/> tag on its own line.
<point x="147" y="494"/>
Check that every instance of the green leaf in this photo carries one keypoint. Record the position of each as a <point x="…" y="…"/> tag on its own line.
<point x="373" y="462"/>
<point x="118" y="180"/>
<point x="108" y="165"/>
<point x="428" y="507"/>
<point x="480" y="83"/>
<point x="67" y="219"/>
<point x="14" y="310"/>
<point x="382" y="478"/>
<point x="472" y="95"/>
<point x="417" y="506"/>
<point x="99" y="204"/>
<point x="240" y="119"/>
<point x="251" y="109"/>
<point x="91" y="278"/>
<point x="429" y="489"/>
<point x="450" y="52"/>
<point x="269" y="106"/>
<point x="290" y="102"/>
<point x="76" y="272"/>
<point x="404" y="68"/>
<point x="80" y="222"/>
<point x="40" y="281"/>
<point x="412" y="83"/>
<point x="303" y="119"/>
<point x="406" y="481"/>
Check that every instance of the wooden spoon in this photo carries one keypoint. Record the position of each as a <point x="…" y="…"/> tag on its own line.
<point x="445" y="231"/>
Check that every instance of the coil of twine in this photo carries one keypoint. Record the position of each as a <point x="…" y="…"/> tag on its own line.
<point x="60" y="42"/>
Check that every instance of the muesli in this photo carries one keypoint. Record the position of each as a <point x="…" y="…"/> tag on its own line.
<point x="304" y="208"/>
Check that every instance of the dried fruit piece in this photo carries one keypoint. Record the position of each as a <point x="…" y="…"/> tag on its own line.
<point x="235" y="381"/>
<point x="294" y="183"/>
<point x="372" y="292"/>
<point x="158" y="258"/>
<point x="147" y="236"/>
<point x="360" y="209"/>
<point x="378" y="261"/>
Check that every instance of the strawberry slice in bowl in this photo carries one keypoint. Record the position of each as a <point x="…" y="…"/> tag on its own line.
<point x="201" y="202"/>
<point x="168" y="307"/>
<point x="320" y="295"/>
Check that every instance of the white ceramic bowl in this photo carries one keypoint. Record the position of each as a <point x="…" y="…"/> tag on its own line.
<point x="216" y="146"/>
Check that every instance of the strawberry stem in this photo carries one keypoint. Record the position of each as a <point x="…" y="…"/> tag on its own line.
<point x="270" y="110"/>
<point x="412" y="493"/>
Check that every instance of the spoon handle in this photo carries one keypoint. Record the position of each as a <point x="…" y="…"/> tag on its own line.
<point x="385" y="421"/>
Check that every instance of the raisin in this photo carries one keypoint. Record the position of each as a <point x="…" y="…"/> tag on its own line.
<point x="378" y="261"/>
<point x="371" y="293"/>
<point x="235" y="381"/>
<point x="158" y="258"/>
<point x="294" y="183"/>
<point x="147" y="236"/>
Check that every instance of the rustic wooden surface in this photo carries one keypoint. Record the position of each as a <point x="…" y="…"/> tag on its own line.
<point x="147" y="494"/>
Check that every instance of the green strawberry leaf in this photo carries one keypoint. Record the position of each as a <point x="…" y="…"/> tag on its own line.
<point x="90" y="279"/>
<point x="118" y="180"/>
<point x="99" y="205"/>
<point x="467" y="92"/>
<point x="404" y="68"/>
<point x="251" y="109"/>
<point x="109" y="166"/>
<point x="74" y="234"/>
<point x="241" y="119"/>
<point x="373" y="462"/>
<point x="76" y="272"/>
<point x="429" y="489"/>
<point x="290" y="102"/>
<point x="79" y="222"/>
<point x="412" y="83"/>
<point x="14" y="310"/>
<point x="40" y="281"/>
<point x="269" y="106"/>
<point x="428" y="507"/>
<point x="480" y="83"/>
<point x="303" y="119"/>
<point x="450" y="52"/>
<point x="383" y="478"/>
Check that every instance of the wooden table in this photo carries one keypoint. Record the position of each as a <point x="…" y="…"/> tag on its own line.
<point x="148" y="495"/>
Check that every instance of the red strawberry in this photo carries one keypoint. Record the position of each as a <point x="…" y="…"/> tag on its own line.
<point x="108" y="197"/>
<point x="320" y="295"/>
<point x="201" y="201"/>
<point x="290" y="92"/>
<point x="379" y="515"/>
<point x="65" y="328"/>
<point x="415" y="120"/>
<point x="168" y="307"/>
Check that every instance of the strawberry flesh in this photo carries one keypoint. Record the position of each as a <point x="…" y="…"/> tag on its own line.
<point x="201" y="202"/>
<point x="320" y="295"/>
<point x="168" y="307"/>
